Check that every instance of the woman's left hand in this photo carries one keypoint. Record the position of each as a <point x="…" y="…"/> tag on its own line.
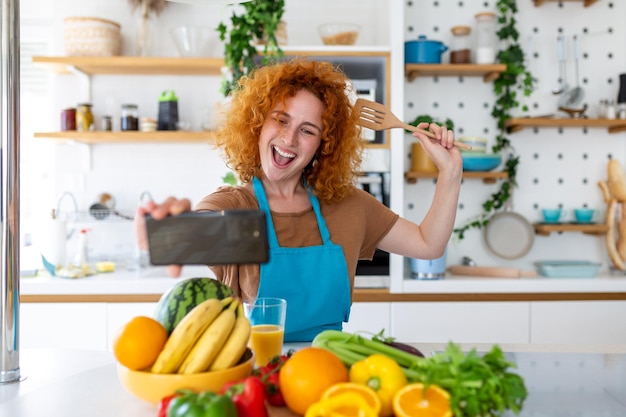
<point x="441" y="149"/>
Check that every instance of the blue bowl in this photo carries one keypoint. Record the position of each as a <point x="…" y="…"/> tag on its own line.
<point x="480" y="161"/>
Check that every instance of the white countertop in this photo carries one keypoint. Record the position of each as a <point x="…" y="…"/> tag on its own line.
<point x="78" y="383"/>
<point x="156" y="281"/>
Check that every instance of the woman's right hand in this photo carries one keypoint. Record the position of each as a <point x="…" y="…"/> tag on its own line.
<point x="170" y="207"/>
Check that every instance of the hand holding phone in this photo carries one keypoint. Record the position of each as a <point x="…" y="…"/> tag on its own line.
<point x="208" y="238"/>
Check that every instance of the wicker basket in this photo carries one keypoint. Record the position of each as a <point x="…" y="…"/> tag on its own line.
<point x="92" y="36"/>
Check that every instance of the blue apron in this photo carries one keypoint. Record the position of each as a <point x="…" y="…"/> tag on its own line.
<point x="314" y="279"/>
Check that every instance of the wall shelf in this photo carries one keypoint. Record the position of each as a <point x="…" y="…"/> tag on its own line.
<point x="545" y="229"/>
<point x="487" y="177"/>
<point x="131" y="65"/>
<point x="97" y="137"/>
<point x="586" y="3"/>
<point x="488" y="72"/>
<point x="613" y="125"/>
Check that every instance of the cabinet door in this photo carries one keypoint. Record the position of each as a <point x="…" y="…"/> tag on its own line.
<point x="119" y="314"/>
<point x="63" y="325"/>
<point x="369" y="317"/>
<point x="460" y="322"/>
<point x="578" y="322"/>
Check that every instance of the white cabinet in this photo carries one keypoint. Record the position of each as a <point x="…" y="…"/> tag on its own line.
<point x="578" y="322"/>
<point x="63" y="325"/>
<point x="369" y="317"/>
<point x="461" y="322"/>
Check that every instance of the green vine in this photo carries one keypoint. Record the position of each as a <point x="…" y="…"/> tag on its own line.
<point x="260" y="21"/>
<point x="514" y="79"/>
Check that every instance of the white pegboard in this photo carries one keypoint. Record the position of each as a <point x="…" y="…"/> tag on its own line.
<point x="558" y="167"/>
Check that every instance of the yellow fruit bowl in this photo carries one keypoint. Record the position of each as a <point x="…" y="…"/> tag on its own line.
<point x="153" y="387"/>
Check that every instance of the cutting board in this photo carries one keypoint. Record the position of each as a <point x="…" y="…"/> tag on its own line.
<point x="490" y="271"/>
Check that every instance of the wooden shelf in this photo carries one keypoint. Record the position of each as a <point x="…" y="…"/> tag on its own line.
<point x="488" y="72"/>
<point x="131" y="65"/>
<point x="487" y="177"/>
<point x="586" y="3"/>
<point x="163" y="136"/>
<point x="545" y="229"/>
<point x="613" y="126"/>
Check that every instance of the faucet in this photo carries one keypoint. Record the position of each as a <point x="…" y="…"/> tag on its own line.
<point x="57" y="212"/>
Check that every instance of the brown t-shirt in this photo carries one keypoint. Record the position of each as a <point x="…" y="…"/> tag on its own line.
<point x="357" y="223"/>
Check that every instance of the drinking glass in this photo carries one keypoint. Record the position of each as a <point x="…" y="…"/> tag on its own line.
<point x="267" y="317"/>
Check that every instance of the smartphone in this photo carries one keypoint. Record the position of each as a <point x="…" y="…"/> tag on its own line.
<point x="209" y="238"/>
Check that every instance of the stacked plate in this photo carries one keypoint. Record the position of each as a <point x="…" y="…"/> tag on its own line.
<point x="567" y="269"/>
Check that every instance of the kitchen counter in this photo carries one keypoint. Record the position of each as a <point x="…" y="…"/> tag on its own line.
<point x="75" y="383"/>
<point x="148" y="285"/>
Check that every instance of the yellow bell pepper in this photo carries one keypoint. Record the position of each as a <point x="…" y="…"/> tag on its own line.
<point x="343" y="405"/>
<point x="383" y="375"/>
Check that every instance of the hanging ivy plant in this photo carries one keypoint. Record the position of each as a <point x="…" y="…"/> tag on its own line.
<point x="516" y="78"/>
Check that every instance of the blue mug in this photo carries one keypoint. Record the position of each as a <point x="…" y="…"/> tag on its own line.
<point x="552" y="215"/>
<point x="584" y="215"/>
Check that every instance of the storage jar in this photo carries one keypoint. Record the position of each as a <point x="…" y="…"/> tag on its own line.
<point x="84" y="117"/>
<point x="130" y="117"/>
<point x="485" y="38"/>
<point x="460" y="49"/>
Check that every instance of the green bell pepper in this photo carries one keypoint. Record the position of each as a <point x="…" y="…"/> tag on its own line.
<point x="204" y="404"/>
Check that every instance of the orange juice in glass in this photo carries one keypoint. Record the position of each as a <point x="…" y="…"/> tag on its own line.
<point x="267" y="317"/>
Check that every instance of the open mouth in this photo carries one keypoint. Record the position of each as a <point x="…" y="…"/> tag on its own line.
<point x="282" y="158"/>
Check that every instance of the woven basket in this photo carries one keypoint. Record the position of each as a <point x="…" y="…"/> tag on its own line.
<point x="92" y="36"/>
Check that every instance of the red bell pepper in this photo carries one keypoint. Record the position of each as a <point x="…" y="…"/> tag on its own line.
<point x="164" y="404"/>
<point x="248" y="396"/>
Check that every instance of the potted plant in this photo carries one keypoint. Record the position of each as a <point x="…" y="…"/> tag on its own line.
<point x="261" y="20"/>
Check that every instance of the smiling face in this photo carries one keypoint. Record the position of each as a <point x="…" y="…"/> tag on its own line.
<point x="290" y="137"/>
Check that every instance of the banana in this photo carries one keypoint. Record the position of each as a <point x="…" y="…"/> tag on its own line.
<point x="186" y="333"/>
<point x="236" y="344"/>
<point x="210" y="343"/>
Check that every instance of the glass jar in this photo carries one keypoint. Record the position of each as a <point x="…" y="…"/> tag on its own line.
<point x="84" y="117"/>
<point x="460" y="50"/>
<point x="130" y="117"/>
<point x="68" y="119"/>
<point x="485" y="38"/>
<point x="107" y="123"/>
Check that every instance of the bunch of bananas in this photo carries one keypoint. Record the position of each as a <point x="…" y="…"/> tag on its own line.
<point x="212" y="336"/>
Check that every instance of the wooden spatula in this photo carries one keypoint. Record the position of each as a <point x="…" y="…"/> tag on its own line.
<point x="377" y="116"/>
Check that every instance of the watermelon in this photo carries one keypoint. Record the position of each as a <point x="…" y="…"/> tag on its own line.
<point x="185" y="295"/>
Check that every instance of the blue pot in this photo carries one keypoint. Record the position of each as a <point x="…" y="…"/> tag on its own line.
<point x="423" y="51"/>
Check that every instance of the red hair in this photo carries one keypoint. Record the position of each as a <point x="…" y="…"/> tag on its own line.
<point x="333" y="170"/>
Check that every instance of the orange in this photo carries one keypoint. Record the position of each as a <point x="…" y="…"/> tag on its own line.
<point x="139" y="342"/>
<point x="305" y="376"/>
<point x="368" y="394"/>
<point x="413" y="401"/>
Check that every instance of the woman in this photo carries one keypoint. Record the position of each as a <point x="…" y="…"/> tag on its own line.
<point x="293" y="140"/>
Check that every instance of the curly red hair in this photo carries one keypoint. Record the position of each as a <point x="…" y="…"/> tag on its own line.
<point x="332" y="172"/>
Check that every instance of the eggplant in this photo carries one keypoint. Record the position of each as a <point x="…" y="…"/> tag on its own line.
<point x="404" y="347"/>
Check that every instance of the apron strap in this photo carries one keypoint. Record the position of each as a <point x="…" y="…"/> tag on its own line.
<point x="259" y="190"/>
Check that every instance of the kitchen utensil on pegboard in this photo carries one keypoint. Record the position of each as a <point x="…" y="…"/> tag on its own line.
<point x="508" y="235"/>
<point x="573" y="99"/>
<point x="561" y="52"/>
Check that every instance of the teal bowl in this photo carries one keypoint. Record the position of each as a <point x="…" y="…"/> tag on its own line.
<point x="475" y="161"/>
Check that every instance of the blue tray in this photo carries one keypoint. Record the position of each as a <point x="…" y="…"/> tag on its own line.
<point x="567" y="269"/>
